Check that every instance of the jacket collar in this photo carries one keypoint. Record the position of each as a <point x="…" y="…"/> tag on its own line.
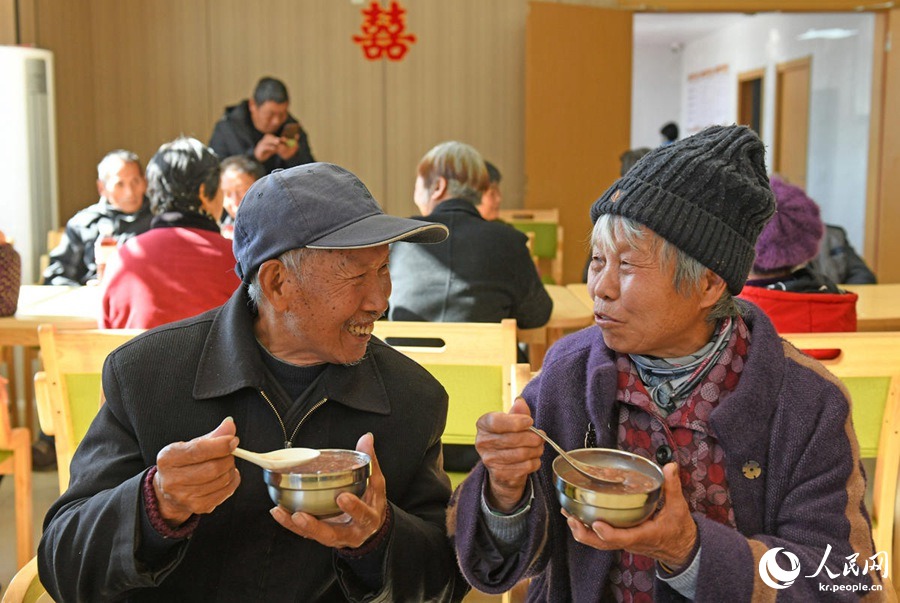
<point x="456" y="205"/>
<point x="230" y="361"/>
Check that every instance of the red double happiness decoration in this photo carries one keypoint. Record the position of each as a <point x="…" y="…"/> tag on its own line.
<point x="384" y="32"/>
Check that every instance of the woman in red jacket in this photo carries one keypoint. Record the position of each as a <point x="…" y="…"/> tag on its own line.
<point x="182" y="266"/>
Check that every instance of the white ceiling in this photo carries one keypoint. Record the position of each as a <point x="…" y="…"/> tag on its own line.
<point x="668" y="29"/>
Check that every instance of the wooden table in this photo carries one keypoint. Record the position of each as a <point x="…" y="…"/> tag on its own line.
<point x="66" y="307"/>
<point x="877" y="309"/>
<point x="580" y="292"/>
<point x="878" y="306"/>
<point x="569" y="313"/>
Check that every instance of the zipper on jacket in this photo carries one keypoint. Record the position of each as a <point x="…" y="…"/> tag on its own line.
<point x="288" y="441"/>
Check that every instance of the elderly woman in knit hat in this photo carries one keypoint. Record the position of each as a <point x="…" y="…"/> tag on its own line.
<point x="796" y="298"/>
<point x="680" y="372"/>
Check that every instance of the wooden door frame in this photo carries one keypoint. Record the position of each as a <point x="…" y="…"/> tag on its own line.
<point x="781" y="69"/>
<point x="747" y="76"/>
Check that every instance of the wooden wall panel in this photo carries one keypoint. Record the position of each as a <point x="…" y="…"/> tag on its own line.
<point x="336" y="94"/>
<point x="64" y="27"/>
<point x="887" y="267"/>
<point x="462" y="80"/>
<point x="151" y="68"/>
<point x="8" y="29"/>
<point x="577" y="114"/>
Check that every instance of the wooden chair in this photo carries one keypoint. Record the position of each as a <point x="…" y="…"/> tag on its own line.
<point x="68" y="390"/>
<point x="26" y="587"/>
<point x="869" y="365"/>
<point x="473" y="361"/>
<point x="547" y="243"/>
<point x="54" y="237"/>
<point x="15" y="460"/>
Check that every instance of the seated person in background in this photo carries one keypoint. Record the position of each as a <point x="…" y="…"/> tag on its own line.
<point x="491" y="198"/>
<point x="630" y="157"/>
<point x="839" y="261"/>
<point x="122" y="212"/>
<point x="262" y="128"/>
<point x="483" y="271"/>
<point x="796" y="298"/>
<point x="159" y="509"/>
<point x="10" y="278"/>
<point x="668" y="133"/>
<point x="239" y="172"/>
<point x="182" y="266"/>
<point x="753" y="437"/>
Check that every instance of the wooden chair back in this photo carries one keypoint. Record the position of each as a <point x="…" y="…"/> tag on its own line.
<point x="473" y="361"/>
<point x="26" y="586"/>
<point x="546" y="238"/>
<point x="869" y="365"/>
<point x="68" y="391"/>
<point x="529" y="215"/>
<point x="15" y="460"/>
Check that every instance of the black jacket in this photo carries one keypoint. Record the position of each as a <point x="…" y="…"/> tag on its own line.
<point x="235" y="134"/>
<point x="481" y="273"/>
<point x="72" y="262"/>
<point x="180" y="381"/>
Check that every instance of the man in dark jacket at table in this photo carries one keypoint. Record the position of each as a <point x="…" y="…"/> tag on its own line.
<point x="483" y="272"/>
<point x="158" y="508"/>
<point x="262" y="129"/>
<point x="122" y="212"/>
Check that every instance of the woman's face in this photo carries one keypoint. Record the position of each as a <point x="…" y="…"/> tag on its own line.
<point x="637" y="307"/>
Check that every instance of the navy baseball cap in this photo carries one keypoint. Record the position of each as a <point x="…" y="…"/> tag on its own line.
<point x="318" y="206"/>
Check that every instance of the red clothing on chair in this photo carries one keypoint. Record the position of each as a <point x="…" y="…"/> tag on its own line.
<point x="167" y="274"/>
<point x="794" y="312"/>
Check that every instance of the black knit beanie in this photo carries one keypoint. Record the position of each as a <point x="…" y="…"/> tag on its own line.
<point x="707" y="194"/>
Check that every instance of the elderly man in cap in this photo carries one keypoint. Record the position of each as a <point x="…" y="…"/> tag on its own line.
<point x="754" y="438"/>
<point x="160" y="510"/>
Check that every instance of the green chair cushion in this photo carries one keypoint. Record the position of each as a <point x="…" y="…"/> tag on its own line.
<point x="5" y="454"/>
<point x="84" y="401"/>
<point x="544" y="244"/>
<point x="868" y="395"/>
<point x="473" y="391"/>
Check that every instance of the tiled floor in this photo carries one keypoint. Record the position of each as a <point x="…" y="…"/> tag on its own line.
<point x="46" y="489"/>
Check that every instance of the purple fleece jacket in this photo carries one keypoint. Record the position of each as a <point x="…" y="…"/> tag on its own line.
<point x="788" y="413"/>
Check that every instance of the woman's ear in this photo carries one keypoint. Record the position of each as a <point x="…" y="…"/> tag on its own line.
<point x="712" y="286"/>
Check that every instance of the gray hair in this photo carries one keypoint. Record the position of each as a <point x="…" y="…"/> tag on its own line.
<point x="461" y="165"/>
<point x="110" y="163"/>
<point x="292" y="260"/>
<point x="688" y="274"/>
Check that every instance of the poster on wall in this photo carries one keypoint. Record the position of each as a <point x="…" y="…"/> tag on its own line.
<point x="709" y="98"/>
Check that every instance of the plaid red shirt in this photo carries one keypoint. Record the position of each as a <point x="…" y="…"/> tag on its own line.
<point x="686" y="437"/>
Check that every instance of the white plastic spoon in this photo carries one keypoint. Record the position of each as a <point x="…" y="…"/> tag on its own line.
<point x="277" y="460"/>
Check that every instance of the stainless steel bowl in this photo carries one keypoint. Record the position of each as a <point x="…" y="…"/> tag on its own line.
<point x="316" y="484"/>
<point x="590" y="501"/>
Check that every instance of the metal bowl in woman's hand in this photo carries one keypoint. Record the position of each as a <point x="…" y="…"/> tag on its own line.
<point x="621" y="505"/>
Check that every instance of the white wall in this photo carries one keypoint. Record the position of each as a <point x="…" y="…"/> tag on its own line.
<point x="840" y="97"/>
<point x="655" y="91"/>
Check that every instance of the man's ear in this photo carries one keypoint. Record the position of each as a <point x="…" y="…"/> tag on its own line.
<point x="101" y="188"/>
<point x="439" y="189"/>
<point x="272" y="280"/>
